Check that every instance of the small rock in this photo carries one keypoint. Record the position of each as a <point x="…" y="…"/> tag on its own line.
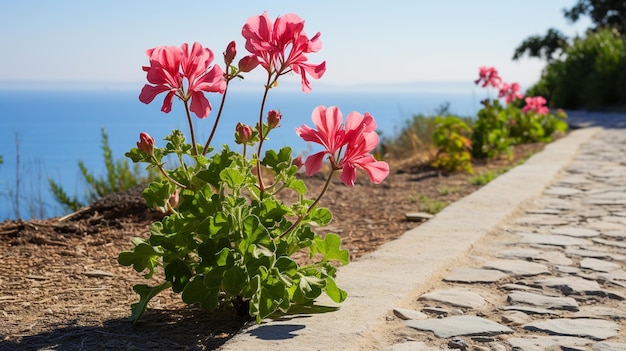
<point x="455" y="297"/>
<point x="457" y="343"/>
<point x="418" y="216"/>
<point x="406" y="314"/>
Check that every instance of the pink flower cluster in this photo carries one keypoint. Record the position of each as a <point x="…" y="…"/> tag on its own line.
<point x="347" y="146"/>
<point x="280" y="46"/>
<point x="536" y="104"/>
<point x="510" y="92"/>
<point x="171" y="66"/>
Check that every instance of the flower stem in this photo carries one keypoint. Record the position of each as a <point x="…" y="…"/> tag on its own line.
<point x="319" y="197"/>
<point x="261" y="136"/>
<point x="217" y="119"/>
<point x="193" y="136"/>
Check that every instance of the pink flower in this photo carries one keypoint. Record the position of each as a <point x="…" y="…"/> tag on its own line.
<point x="281" y="45"/>
<point x="489" y="76"/>
<point x="171" y="65"/>
<point x="352" y="142"/>
<point x="536" y="104"/>
<point x="510" y="92"/>
<point x="146" y="143"/>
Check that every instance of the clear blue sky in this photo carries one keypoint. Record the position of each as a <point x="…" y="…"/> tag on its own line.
<point x="377" y="41"/>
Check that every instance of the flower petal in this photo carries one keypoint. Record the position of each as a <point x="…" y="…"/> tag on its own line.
<point x="314" y="162"/>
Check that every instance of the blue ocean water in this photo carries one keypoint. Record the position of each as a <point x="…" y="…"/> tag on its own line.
<point x="47" y="132"/>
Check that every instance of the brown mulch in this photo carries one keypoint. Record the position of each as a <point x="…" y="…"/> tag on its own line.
<point x="62" y="288"/>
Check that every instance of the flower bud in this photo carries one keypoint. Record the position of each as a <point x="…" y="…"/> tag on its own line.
<point x="248" y="63"/>
<point x="229" y="54"/>
<point x="297" y="162"/>
<point x="174" y="199"/>
<point x="146" y="143"/>
<point x="243" y="133"/>
<point x="273" y="118"/>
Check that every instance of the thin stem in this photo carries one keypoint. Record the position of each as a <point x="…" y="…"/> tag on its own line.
<point x="193" y="136"/>
<point x="261" y="136"/>
<point x="319" y="197"/>
<point x="217" y="119"/>
<point x="170" y="178"/>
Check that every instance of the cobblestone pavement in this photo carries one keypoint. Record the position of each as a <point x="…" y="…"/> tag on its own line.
<point x="552" y="278"/>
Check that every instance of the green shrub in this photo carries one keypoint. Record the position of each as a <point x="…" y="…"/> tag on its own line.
<point x="490" y="137"/>
<point x="451" y="138"/>
<point x="592" y="74"/>
<point x="119" y="177"/>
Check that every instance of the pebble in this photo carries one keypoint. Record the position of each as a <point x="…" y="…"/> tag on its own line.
<point x="557" y="282"/>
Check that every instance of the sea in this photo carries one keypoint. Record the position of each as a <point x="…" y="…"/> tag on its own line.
<point x="45" y="133"/>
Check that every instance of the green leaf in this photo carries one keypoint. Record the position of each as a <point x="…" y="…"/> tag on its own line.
<point x="157" y="193"/>
<point x="143" y="256"/>
<point x="296" y="184"/>
<point x="277" y="161"/>
<point x="335" y="294"/>
<point x="330" y="248"/>
<point x="233" y="178"/>
<point x="197" y="292"/>
<point x="268" y="298"/>
<point x="146" y="293"/>
<point x="234" y="280"/>
<point x="178" y="274"/>
<point x="321" y="216"/>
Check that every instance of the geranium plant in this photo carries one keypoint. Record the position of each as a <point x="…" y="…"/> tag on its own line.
<point x="230" y="236"/>
<point x="500" y="126"/>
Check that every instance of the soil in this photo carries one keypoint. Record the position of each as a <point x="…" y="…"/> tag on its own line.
<point x="61" y="286"/>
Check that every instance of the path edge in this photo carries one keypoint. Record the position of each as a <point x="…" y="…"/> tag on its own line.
<point x="401" y="269"/>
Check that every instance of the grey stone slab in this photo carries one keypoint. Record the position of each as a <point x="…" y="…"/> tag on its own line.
<point x="543" y="343"/>
<point x="587" y="253"/>
<point x="456" y="297"/>
<point x="474" y="275"/>
<point x="619" y="214"/>
<point x="554" y="257"/>
<point x="553" y="239"/>
<point x="576" y="232"/>
<point x="614" y="243"/>
<point x="614" y="219"/>
<point x="615" y="234"/>
<point x="517" y="267"/>
<point x="600" y="312"/>
<point x="460" y="326"/>
<point x="599" y="265"/>
<point x="405" y="313"/>
<point x="529" y="309"/>
<point x="572" y="285"/>
<point x="596" y="329"/>
<point x="604" y="226"/>
<point x="609" y="346"/>
<point x="544" y="211"/>
<point x="541" y="220"/>
<point x="542" y="301"/>
<point x="516" y="317"/>
<point x="562" y="191"/>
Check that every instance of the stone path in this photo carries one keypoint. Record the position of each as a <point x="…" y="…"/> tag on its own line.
<point x="553" y="278"/>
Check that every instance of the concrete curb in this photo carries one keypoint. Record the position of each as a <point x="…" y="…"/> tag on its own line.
<point x="402" y="269"/>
